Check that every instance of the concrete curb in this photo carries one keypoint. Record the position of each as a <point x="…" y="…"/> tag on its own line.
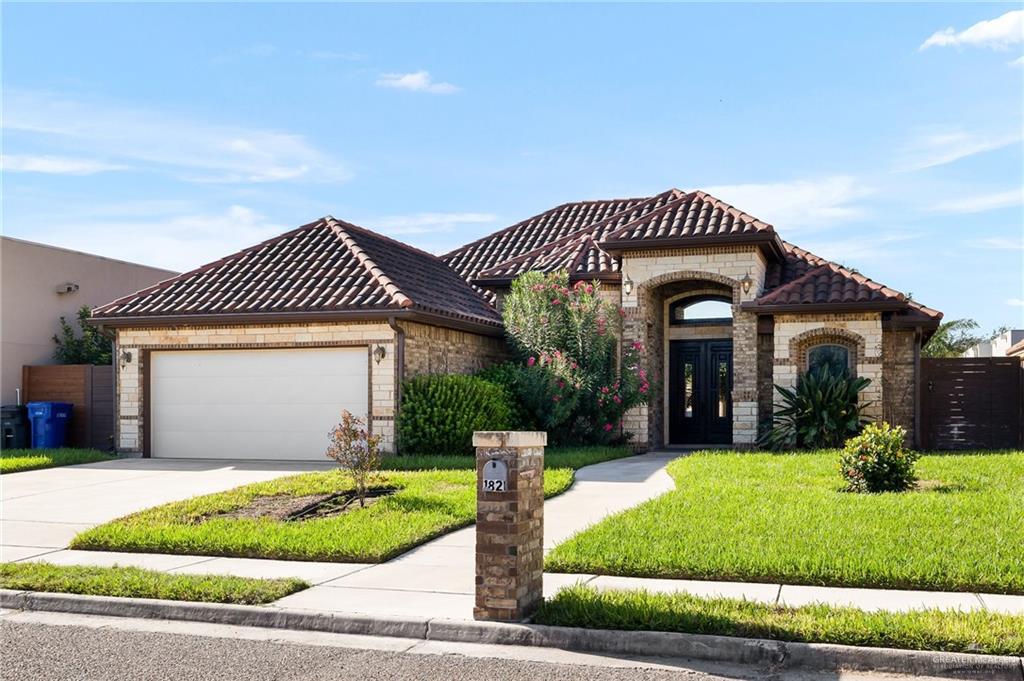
<point x="775" y="655"/>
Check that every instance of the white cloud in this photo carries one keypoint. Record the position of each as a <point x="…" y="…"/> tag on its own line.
<point x="189" y="149"/>
<point x="846" y="251"/>
<point x="981" y="203"/>
<point x="428" y="223"/>
<point x="996" y="34"/>
<point x="800" y="203"/>
<point x="1015" y="302"/>
<point x="419" y="81"/>
<point x="999" y="243"/>
<point x="54" y="165"/>
<point x="178" y="242"/>
<point x="1018" y="62"/>
<point x="941" y="148"/>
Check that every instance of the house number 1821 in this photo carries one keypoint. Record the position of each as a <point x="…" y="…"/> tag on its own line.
<point x="495" y="477"/>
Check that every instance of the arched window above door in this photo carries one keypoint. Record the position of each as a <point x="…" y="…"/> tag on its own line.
<point x="700" y="310"/>
<point x="832" y="355"/>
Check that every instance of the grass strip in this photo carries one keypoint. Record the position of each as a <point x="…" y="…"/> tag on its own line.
<point x="428" y="503"/>
<point x="944" y="630"/>
<point x="785" y="518"/>
<point x="130" y="582"/>
<point x="20" y="460"/>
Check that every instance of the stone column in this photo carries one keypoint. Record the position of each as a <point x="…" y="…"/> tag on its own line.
<point x="509" y="524"/>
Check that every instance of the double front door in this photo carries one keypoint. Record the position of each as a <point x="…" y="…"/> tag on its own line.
<point x="700" y="392"/>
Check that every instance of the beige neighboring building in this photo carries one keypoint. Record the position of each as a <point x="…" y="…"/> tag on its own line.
<point x="1000" y="346"/>
<point x="42" y="283"/>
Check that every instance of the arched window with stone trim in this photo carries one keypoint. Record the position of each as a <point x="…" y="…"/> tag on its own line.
<point x="837" y="357"/>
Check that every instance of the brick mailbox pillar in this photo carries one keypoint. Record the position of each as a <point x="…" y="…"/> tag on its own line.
<point x="509" y="524"/>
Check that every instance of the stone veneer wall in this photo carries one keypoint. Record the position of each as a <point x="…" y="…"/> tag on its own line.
<point x="860" y="331"/>
<point x="765" y="387"/>
<point x="438" y="350"/>
<point x="898" y="379"/>
<point x="129" y="407"/>
<point x="644" y="320"/>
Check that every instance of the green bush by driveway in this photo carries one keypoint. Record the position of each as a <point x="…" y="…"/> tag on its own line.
<point x="785" y="518"/>
<point x="440" y="412"/>
<point x="130" y="582"/>
<point x="18" y="460"/>
<point x="428" y="503"/>
<point x="948" y="630"/>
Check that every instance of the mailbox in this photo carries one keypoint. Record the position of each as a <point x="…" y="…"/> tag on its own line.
<point x="495" y="476"/>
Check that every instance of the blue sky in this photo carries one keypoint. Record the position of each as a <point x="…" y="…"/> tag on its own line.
<point x="885" y="137"/>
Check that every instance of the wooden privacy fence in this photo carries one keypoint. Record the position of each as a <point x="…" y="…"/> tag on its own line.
<point x="972" y="403"/>
<point x="89" y="388"/>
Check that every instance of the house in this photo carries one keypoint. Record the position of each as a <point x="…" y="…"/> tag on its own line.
<point x="43" y="283"/>
<point x="999" y="346"/>
<point x="253" y="355"/>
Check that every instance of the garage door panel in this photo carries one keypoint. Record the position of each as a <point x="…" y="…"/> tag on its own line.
<point x="253" y="404"/>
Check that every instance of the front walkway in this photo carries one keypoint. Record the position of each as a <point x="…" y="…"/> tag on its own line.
<point x="436" y="580"/>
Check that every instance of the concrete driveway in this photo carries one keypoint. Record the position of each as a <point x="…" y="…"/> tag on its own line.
<point x="41" y="511"/>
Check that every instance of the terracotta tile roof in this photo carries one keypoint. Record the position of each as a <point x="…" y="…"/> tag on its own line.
<point x="550" y="226"/>
<point x="325" y="266"/>
<point x="693" y="215"/>
<point x="580" y="252"/>
<point x="803" y="278"/>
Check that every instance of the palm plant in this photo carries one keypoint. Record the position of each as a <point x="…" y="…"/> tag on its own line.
<point x="822" y="411"/>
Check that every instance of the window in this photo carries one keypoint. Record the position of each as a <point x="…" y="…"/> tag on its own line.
<point x="835" y="357"/>
<point x="700" y="310"/>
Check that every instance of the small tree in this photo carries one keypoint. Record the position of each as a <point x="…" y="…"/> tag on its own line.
<point x="571" y="379"/>
<point x="91" y="347"/>
<point x="955" y="337"/>
<point x="356" y="451"/>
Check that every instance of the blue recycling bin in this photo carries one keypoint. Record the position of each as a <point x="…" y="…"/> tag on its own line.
<point x="49" y="423"/>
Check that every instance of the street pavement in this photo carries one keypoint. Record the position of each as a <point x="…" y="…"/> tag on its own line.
<point x="58" y="647"/>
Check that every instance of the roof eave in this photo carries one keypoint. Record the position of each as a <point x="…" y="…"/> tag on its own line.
<point x="482" y="327"/>
<point x="866" y="306"/>
<point x="768" y="240"/>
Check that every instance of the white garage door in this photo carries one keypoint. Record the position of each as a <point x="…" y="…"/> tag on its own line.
<point x="252" y="404"/>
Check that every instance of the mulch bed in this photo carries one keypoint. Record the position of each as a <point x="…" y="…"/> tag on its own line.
<point x="283" y="507"/>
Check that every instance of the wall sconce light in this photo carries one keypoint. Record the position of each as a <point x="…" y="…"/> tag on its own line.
<point x="378" y="353"/>
<point x="126" y="358"/>
<point x="746" y="282"/>
<point x="627" y="286"/>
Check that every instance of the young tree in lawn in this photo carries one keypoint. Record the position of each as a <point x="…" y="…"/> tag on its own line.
<point x="356" y="451"/>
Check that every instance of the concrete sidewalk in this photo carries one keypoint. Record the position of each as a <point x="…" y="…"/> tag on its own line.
<point x="437" y="578"/>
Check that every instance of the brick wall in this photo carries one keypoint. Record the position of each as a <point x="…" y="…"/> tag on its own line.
<point x="861" y="332"/>
<point x="129" y="436"/>
<point x="898" y="384"/>
<point x="438" y="350"/>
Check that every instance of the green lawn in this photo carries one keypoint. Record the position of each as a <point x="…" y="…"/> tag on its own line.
<point x="429" y="503"/>
<point x="18" y="460"/>
<point x="784" y="518"/>
<point x="949" y="630"/>
<point x="129" y="582"/>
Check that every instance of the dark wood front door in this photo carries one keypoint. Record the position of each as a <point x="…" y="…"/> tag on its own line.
<point x="700" y="392"/>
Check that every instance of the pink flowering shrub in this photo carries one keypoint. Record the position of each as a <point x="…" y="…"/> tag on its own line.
<point x="571" y="379"/>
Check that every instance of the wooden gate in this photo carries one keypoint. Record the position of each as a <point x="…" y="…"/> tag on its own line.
<point x="89" y="388"/>
<point x="972" y="403"/>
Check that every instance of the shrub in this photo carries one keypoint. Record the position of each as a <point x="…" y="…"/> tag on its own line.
<point x="356" y="451"/>
<point x="440" y="412"/>
<point x="507" y="376"/>
<point x="875" y="460"/>
<point x="821" y="412"/>
<point x="570" y="381"/>
<point x="89" y="346"/>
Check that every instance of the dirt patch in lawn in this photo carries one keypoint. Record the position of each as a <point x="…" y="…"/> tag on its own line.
<point x="283" y="507"/>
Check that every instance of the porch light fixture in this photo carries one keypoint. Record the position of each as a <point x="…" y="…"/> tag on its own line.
<point x="378" y="353"/>
<point x="126" y="358"/>
<point x="746" y="282"/>
<point x="627" y="286"/>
